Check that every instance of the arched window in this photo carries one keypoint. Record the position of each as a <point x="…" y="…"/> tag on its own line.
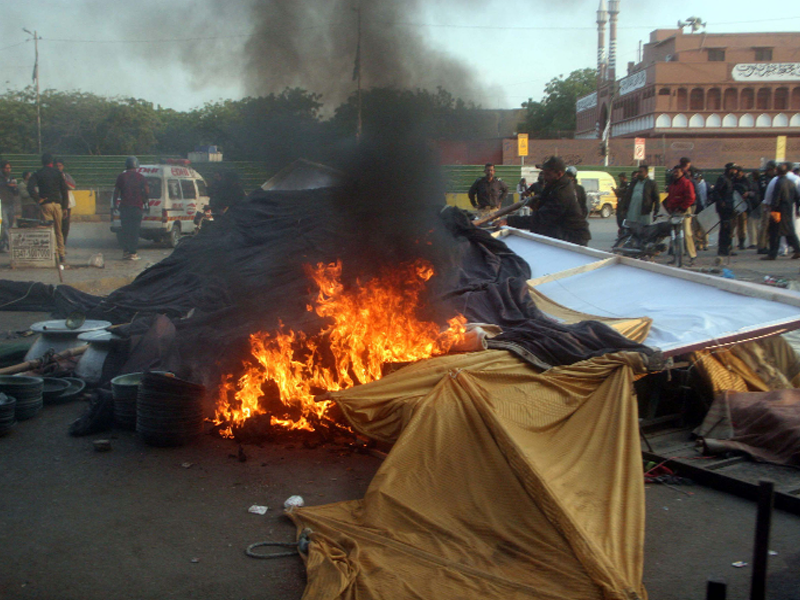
<point x="697" y="121"/>
<point x="682" y="99"/>
<point x="714" y="99"/>
<point x="663" y="92"/>
<point x="680" y="121"/>
<point x="730" y="120"/>
<point x="663" y="122"/>
<point x="747" y="120"/>
<point x="781" y="99"/>
<point x="764" y="120"/>
<point x="796" y="98"/>
<point x="713" y="121"/>
<point x="697" y="99"/>
<point x="763" y="99"/>
<point x="747" y="99"/>
<point x="731" y="99"/>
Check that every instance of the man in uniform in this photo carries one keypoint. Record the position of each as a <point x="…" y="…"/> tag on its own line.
<point x="488" y="192"/>
<point x="49" y="188"/>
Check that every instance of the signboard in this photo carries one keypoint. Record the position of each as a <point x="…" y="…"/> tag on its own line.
<point x="33" y="247"/>
<point x="638" y="149"/>
<point x="522" y="144"/>
<point x="780" y="149"/>
<point x="632" y="82"/>
<point x="586" y="102"/>
<point x="766" y="72"/>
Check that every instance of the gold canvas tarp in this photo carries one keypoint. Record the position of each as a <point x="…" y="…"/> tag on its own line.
<point x="503" y="482"/>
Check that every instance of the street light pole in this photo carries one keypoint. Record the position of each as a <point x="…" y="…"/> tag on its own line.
<point x="36" y="80"/>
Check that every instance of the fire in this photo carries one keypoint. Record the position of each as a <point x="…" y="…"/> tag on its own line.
<point x="371" y="325"/>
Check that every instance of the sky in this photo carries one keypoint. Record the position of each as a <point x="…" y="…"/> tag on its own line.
<point x="181" y="54"/>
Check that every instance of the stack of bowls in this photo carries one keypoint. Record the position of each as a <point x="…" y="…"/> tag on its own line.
<point x="7" y="407"/>
<point x="27" y="391"/>
<point x="169" y="411"/>
<point x="124" y="389"/>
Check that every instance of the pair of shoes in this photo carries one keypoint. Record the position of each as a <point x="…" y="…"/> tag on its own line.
<point x="796" y="255"/>
<point x="762" y="251"/>
<point x="741" y="245"/>
<point x="133" y="256"/>
<point x="751" y="247"/>
<point x="768" y="258"/>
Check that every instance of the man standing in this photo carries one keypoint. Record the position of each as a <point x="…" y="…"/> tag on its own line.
<point x="9" y="192"/>
<point x="680" y="200"/>
<point x="557" y="214"/>
<point x="580" y="192"/>
<point x="700" y="203"/>
<point x="48" y="187"/>
<point x="488" y="192"/>
<point x="763" y="225"/>
<point x="723" y="200"/>
<point x="641" y="199"/>
<point x="132" y="191"/>
<point x="59" y="164"/>
<point x="30" y="208"/>
<point x="620" y="192"/>
<point x="784" y="200"/>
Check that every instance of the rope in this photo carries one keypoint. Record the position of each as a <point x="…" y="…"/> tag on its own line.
<point x="301" y="545"/>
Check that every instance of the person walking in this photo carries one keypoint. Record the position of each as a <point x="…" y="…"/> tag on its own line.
<point x="783" y="207"/>
<point x="9" y="194"/>
<point x="65" y="222"/>
<point x="49" y="188"/>
<point x="679" y="201"/>
<point x="132" y="193"/>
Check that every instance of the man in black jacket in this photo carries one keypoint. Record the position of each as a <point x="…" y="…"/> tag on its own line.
<point x="557" y="214"/>
<point x="783" y="207"/>
<point x="488" y="192"/>
<point x="49" y="188"/>
<point x="724" y="201"/>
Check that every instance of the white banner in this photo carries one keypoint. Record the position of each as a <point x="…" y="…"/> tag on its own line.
<point x="586" y="102"/>
<point x="766" y="72"/>
<point x="632" y="82"/>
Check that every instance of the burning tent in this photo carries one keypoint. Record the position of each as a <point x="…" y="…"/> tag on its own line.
<point x="285" y="285"/>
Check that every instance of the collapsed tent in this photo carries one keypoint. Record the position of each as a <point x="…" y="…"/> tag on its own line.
<point x="503" y="482"/>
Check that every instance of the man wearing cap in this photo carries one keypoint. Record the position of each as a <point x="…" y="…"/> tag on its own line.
<point x="580" y="191"/>
<point x="558" y="214"/>
<point x="48" y="187"/>
<point x="488" y="192"/>
<point x="723" y="201"/>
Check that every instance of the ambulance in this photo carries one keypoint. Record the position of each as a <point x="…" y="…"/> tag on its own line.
<point x="177" y="192"/>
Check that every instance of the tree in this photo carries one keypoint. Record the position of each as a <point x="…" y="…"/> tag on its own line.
<point x="555" y="114"/>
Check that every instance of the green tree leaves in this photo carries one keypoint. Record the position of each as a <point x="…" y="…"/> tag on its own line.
<point x="554" y="116"/>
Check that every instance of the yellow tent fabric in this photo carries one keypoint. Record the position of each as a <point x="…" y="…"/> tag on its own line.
<point x="503" y="482"/>
<point x="633" y="328"/>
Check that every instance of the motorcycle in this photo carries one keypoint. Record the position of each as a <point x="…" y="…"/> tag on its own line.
<point x="647" y="241"/>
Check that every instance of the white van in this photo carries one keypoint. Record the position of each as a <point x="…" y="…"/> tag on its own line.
<point x="177" y="192"/>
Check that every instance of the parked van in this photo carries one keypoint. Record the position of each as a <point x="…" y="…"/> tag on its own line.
<point x="600" y="195"/>
<point x="177" y="192"/>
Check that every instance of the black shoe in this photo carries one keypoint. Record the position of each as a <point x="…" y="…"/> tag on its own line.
<point x="751" y="247"/>
<point x="741" y="245"/>
<point x="768" y="257"/>
<point x="762" y="251"/>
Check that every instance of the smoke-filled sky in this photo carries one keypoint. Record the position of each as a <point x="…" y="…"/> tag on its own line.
<point x="181" y="54"/>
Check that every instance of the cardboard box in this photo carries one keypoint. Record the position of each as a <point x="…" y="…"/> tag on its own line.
<point x="32" y="247"/>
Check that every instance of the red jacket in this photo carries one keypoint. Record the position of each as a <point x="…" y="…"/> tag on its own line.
<point x="680" y="195"/>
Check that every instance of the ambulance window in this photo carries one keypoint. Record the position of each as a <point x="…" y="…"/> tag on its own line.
<point x="174" y="189"/>
<point x="154" y="185"/>
<point x="187" y="185"/>
<point x="202" y="190"/>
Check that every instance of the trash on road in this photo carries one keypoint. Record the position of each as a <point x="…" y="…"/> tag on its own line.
<point x="258" y="510"/>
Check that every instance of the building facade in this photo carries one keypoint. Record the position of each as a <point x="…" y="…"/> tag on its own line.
<point x="698" y="85"/>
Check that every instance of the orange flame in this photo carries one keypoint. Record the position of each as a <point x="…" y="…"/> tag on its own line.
<point x="373" y="324"/>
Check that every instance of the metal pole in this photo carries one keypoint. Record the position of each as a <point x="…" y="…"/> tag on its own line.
<point x="38" y="103"/>
<point x="758" y="584"/>
<point x="358" y="127"/>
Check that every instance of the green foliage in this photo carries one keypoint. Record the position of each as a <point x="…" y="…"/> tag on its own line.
<point x="554" y="116"/>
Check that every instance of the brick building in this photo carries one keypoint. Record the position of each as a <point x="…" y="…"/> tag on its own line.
<point x="697" y="85"/>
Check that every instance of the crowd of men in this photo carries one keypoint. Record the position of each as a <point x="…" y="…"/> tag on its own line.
<point x="756" y="208"/>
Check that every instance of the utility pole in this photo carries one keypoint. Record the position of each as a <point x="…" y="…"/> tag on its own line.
<point x="358" y="74"/>
<point x="36" y="39"/>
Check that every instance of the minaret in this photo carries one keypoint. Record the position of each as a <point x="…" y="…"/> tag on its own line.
<point x="602" y="19"/>
<point x="613" y="11"/>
